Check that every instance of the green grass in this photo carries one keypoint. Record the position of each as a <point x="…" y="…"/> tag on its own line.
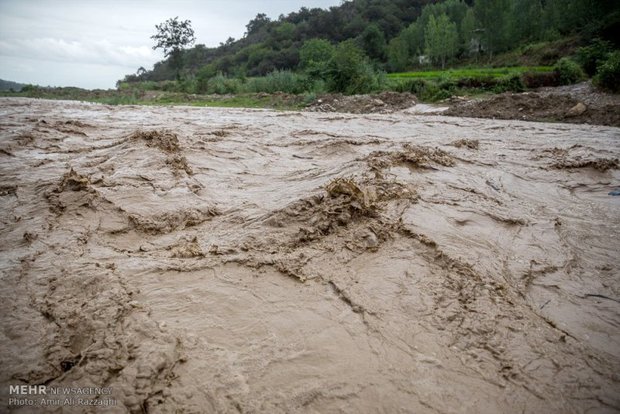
<point x="112" y="97"/>
<point x="452" y="74"/>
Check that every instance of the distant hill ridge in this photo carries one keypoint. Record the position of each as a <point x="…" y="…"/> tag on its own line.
<point x="6" y="85"/>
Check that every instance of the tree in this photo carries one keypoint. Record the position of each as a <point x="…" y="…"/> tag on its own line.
<point x="468" y="25"/>
<point x="525" y="21"/>
<point x="172" y="36"/>
<point x="398" y="54"/>
<point x="441" y="39"/>
<point x="258" y="23"/>
<point x="372" y="41"/>
<point x="348" y="70"/>
<point x="491" y="14"/>
<point x="314" y="56"/>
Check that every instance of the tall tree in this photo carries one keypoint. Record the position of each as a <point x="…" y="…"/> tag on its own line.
<point x="372" y="41"/>
<point x="491" y="14"/>
<point x="172" y="36"/>
<point x="314" y="56"/>
<point x="468" y="26"/>
<point x="441" y="39"/>
<point x="398" y="54"/>
<point x="525" y="21"/>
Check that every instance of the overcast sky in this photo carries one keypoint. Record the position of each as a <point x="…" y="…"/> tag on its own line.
<point x="93" y="43"/>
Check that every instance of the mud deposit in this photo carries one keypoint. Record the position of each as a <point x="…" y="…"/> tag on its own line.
<point x="229" y="260"/>
<point x="558" y="106"/>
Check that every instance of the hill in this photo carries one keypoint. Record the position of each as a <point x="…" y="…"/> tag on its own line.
<point x="6" y="85"/>
<point x="398" y="35"/>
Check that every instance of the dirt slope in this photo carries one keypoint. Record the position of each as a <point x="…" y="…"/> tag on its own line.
<point x="229" y="260"/>
<point x="580" y="104"/>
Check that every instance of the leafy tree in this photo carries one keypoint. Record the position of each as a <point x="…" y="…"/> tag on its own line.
<point x="608" y="73"/>
<point x="491" y="14"/>
<point x="314" y="56"/>
<point x="349" y="72"/>
<point x="172" y="36"/>
<point x="398" y="54"/>
<point x="372" y="41"/>
<point x="589" y="57"/>
<point x="468" y="25"/>
<point x="284" y="31"/>
<point x="441" y="39"/>
<point x="525" y="21"/>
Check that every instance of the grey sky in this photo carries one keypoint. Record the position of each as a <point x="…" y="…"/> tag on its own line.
<point x="92" y="44"/>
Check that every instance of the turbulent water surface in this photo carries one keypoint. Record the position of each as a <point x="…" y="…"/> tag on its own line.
<point x="230" y="260"/>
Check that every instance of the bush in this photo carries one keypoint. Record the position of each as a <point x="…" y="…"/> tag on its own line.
<point x="348" y="71"/>
<point x="413" y="86"/>
<point x="590" y="57"/>
<point x="568" y="71"/>
<point x="221" y="85"/>
<point x="279" y="81"/>
<point x="188" y="86"/>
<point x="314" y="57"/>
<point x="426" y="90"/>
<point x="608" y="73"/>
<point x="512" y="83"/>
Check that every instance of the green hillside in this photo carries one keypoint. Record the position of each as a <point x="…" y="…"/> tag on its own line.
<point x="404" y="35"/>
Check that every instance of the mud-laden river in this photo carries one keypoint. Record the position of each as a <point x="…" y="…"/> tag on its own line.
<point x="202" y="260"/>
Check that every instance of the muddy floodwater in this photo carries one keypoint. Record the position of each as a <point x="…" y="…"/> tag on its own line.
<point x="206" y="260"/>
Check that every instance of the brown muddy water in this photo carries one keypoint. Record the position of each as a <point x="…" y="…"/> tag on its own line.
<point x="201" y="260"/>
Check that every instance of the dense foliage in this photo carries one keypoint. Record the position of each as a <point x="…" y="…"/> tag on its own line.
<point x="347" y="46"/>
<point x="608" y="76"/>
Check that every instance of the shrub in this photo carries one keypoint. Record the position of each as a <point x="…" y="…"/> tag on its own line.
<point x="29" y="88"/>
<point x="348" y="71"/>
<point x="424" y="90"/>
<point x="512" y="83"/>
<point x="279" y="81"/>
<point x="314" y="56"/>
<point x="591" y="56"/>
<point x="568" y="71"/>
<point x="441" y="94"/>
<point x="448" y="85"/>
<point x="188" y="86"/>
<point x="608" y="73"/>
<point x="414" y="86"/>
<point x="309" y="98"/>
<point x="221" y="85"/>
<point x="202" y="77"/>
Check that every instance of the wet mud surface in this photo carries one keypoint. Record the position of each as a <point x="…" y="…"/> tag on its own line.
<point x="230" y="260"/>
<point x="581" y="103"/>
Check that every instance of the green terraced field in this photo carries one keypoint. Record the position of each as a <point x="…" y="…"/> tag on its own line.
<point x="469" y="73"/>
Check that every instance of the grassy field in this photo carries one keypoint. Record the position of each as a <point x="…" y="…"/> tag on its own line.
<point x="452" y="74"/>
<point x="428" y="86"/>
<point x="112" y="97"/>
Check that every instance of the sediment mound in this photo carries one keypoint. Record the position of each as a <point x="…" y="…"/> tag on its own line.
<point x="167" y="142"/>
<point x="164" y="140"/>
<point x="415" y="156"/>
<point x="385" y="102"/>
<point x="532" y="106"/>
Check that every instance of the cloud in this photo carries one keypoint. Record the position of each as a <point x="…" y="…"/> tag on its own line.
<point x="101" y="52"/>
<point x="93" y="44"/>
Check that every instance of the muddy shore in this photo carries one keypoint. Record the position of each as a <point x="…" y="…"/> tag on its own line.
<point x="576" y="104"/>
<point x="234" y="260"/>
